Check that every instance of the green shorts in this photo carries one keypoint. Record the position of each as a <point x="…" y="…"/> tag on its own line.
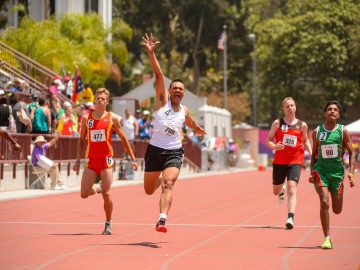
<point x="329" y="177"/>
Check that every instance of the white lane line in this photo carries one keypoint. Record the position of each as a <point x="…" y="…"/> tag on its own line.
<point x="258" y="226"/>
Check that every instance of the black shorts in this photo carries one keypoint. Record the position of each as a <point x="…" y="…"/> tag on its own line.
<point x="158" y="159"/>
<point x="290" y="171"/>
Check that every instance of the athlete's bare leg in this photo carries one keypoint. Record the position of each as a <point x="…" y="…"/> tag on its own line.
<point x="324" y="209"/>
<point x="337" y="202"/>
<point x="87" y="183"/>
<point x="277" y="189"/>
<point x="169" y="176"/>
<point x="106" y="181"/>
<point x="152" y="181"/>
<point x="291" y="192"/>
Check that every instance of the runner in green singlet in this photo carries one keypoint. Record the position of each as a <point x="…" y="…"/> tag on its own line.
<point x="327" y="171"/>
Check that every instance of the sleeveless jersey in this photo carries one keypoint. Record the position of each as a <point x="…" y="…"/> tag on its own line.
<point x="331" y="148"/>
<point x="99" y="136"/>
<point x="167" y="127"/>
<point x="291" y="136"/>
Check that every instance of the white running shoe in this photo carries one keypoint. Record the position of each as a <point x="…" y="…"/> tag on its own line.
<point x="289" y="223"/>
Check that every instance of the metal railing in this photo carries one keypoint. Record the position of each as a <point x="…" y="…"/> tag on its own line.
<point x="64" y="152"/>
<point x="19" y="65"/>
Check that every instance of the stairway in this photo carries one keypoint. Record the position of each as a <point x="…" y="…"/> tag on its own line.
<point x="15" y="64"/>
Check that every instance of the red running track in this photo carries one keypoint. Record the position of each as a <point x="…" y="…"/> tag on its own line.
<point x="230" y="221"/>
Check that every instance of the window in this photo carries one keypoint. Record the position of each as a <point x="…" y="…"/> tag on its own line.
<point x="91" y="5"/>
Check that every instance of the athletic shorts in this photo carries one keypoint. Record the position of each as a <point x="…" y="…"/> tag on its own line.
<point x="158" y="159"/>
<point x="332" y="178"/>
<point x="289" y="171"/>
<point x="99" y="164"/>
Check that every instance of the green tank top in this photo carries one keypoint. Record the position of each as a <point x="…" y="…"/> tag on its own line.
<point x="330" y="148"/>
<point x="40" y="121"/>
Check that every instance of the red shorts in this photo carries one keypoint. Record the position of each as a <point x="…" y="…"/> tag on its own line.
<point x="99" y="164"/>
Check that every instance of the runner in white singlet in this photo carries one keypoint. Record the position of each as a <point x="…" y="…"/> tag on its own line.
<point x="163" y="158"/>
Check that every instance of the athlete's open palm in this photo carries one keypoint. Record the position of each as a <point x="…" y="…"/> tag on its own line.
<point x="148" y="42"/>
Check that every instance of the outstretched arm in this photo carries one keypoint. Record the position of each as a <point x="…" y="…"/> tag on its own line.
<point x="8" y="137"/>
<point x="190" y="122"/>
<point x="161" y="94"/>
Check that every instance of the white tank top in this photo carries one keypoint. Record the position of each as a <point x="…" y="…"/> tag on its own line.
<point x="167" y="132"/>
<point x="128" y="127"/>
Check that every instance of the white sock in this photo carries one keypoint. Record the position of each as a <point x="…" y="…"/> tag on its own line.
<point x="108" y="222"/>
<point x="162" y="215"/>
<point x="328" y="236"/>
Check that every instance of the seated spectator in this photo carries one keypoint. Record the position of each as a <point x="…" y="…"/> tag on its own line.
<point x="40" y="147"/>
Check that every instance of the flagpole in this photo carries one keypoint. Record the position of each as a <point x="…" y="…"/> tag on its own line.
<point x="225" y="68"/>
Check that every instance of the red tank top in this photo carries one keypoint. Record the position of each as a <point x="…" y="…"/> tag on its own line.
<point x="291" y="136"/>
<point x="67" y="127"/>
<point x="99" y="137"/>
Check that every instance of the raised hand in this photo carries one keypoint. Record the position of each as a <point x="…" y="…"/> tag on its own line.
<point x="149" y="43"/>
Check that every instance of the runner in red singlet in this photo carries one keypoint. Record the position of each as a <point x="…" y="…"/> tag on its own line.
<point x="290" y="136"/>
<point x="97" y="129"/>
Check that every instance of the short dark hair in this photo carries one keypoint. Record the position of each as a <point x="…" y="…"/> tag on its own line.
<point x="335" y="102"/>
<point x="176" y="80"/>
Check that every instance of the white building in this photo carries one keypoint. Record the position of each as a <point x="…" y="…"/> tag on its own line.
<point x="43" y="9"/>
<point x="216" y="121"/>
<point x="147" y="90"/>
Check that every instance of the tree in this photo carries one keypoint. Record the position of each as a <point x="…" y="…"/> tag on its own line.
<point x="304" y="52"/>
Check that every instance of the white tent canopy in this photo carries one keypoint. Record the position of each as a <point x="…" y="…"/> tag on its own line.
<point x="354" y="127"/>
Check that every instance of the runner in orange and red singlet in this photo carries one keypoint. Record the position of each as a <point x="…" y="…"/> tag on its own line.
<point x="290" y="136"/>
<point x="97" y="129"/>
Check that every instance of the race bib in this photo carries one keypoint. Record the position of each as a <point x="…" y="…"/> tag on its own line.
<point x="97" y="135"/>
<point x="289" y="140"/>
<point x="329" y="151"/>
<point x="168" y="130"/>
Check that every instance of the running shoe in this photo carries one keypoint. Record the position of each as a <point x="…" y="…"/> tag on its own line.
<point x="282" y="194"/>
<point x="107" y="229"/>
<point x="327" y="244"/>
<point x="289" y="223"/>
<point x="160" y="225"/>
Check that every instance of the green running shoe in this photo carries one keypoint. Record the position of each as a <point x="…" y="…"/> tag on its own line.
<point x="327" y="243"/>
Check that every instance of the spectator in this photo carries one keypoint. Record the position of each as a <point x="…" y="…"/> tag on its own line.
<point x="18" y="85"/>
<point x="9" y="85"/>
<point x="17" y="105"/>
<point x="33" y="104"/>
<point x="40" y="147"/>
<point x="67" y="121"/>
<point x="4" y="111"/>
<point x="130" y="127"/>
<point x="86" y="95"/>
<point x="68" y="86"/>
<point x="145" y="126"/>
<point x="41" y="118"/>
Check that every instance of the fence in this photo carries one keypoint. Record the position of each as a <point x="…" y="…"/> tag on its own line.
<point x="64" y="152"/>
